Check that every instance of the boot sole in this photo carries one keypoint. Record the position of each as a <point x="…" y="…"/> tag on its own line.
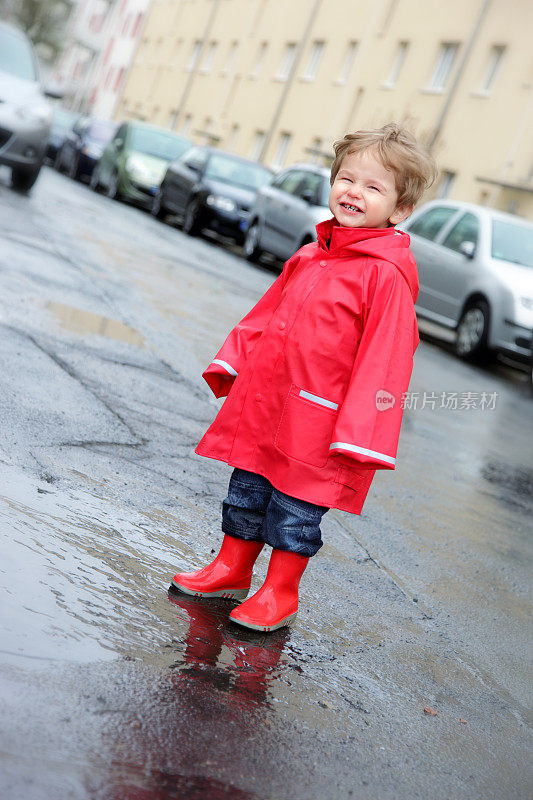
<point x="227" y="594"/>
<point x="265" y="628"/>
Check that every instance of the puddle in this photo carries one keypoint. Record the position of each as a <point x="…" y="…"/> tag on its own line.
<point x="80" y="321"/>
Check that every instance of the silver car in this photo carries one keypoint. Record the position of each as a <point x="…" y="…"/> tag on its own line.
<point x="285" y="213"/>
<point x="475" y="267"/>
<point x="25" y="116"/>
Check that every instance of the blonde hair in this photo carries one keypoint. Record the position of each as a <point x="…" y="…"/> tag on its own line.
<point x="413" y="167"/>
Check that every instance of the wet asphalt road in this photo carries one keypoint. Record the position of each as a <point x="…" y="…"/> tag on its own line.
<point x="112" y="688"/>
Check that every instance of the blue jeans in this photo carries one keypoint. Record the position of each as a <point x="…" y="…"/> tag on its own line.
<point x="255" y="511"/>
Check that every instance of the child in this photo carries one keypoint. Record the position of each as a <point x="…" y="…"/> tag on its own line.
<point x="314" y="376"/>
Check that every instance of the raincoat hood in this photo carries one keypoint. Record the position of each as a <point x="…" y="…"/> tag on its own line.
<point x="387" y="244"/>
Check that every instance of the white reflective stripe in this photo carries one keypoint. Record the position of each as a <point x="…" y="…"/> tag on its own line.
<point x="353" y="448"/>
<point x="225" y="365"/>
<point x="320" y="400"/>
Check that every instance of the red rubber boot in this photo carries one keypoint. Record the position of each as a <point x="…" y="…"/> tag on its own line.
<point x="229" y="575"/>
<point x="276" y="602"/>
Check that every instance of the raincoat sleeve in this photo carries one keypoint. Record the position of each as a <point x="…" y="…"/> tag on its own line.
<point x="232" y="356"/>
<point x="367" y="428"/>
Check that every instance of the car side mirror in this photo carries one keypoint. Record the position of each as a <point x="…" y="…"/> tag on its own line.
<point x="53" y="92"/>
<point x="308" y="196"/>
<point x="467" y="249"/>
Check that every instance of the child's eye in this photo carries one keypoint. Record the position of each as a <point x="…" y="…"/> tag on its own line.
<point x="374" y="187"/>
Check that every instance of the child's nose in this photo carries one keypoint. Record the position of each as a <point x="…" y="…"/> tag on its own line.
<point x="354" y="190"/>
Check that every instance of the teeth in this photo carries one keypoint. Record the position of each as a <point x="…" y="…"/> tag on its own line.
<point x="351" y="208"/>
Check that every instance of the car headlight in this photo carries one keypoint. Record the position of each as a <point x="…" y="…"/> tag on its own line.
<point x="37" y="113"/>
<point x="222" y="203"/>
<point x="139" y="171"/>
<point x="92" y="150"/>
<point x="527" y="302"/>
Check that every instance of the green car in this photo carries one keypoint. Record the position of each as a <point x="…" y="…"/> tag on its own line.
<point x="134" y="162"/>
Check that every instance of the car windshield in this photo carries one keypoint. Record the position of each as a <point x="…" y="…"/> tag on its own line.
<point x="16" y="55"/>
<point x="239" y="173"/>
<point x="512" y="242"/>
<point x="323" y="199"/>
<point x="158" y="143"/>
<point x="101" y="131"/>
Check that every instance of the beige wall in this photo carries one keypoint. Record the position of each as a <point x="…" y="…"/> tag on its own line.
<point x="481" y="135"/>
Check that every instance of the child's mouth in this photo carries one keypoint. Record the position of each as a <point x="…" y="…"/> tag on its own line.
<point x="350" y="208"/>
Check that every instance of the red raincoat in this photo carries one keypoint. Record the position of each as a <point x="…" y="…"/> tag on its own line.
<point x="315" y="372"/>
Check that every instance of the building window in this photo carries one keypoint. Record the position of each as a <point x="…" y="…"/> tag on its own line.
<point x="257" y="146"/>
<point x="281" y="153"/>
<point x="136" y="25"/>
<point x="348" y="62"/>
<point x="195" y="55"/>
<point x="397" y="65"/>
<point x="314" y="61"/>
<point x="445" y="186"/>
<point x="173" y="118"/>
<point x="232" y="138"/>
<point x="232" y="55"/>
<point x="443" y="67"/>
<point x="186" y="127"/>
<point x="209" y="57"/>
<point x="260" y="60"/>
<point x="286" y="64"/>
<point x="118" y="79"/>
<point x="493" y="66"/>
<point x="315" y="151"/>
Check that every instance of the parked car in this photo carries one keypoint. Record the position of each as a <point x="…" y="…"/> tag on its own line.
<point x="25" y="116"/>
<point x="82" y="147"/>
<point x="135" y="160"/>
<point x="62" y="122"/>
<point x="285" y="213"/>
<point x="475" y="267"/>
<point x="211" y="189"/>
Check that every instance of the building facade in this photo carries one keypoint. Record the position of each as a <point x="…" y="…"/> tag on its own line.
<point x="281" y="81"/>
<point x="100" y="46"/>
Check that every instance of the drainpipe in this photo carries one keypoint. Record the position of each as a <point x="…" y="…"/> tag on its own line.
<point x="194" y="71"/>
<point x="289" y="81"/>
<point x="458" y="75"/>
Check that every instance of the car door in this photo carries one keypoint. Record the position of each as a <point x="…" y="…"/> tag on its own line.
<point x="424" y="230"/>
<point x="459" y="264"/>
<point x="299" y="221"/>
<point x="278" y="204"/>
<point x="181" y="177"/>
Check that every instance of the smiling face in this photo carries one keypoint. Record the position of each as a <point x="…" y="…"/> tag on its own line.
<point x="364" y="193"/>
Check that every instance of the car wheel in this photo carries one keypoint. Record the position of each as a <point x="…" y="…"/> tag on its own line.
<point x="472" y="331"/>
<point x="58" y="160"/>
<point x="158" y="210"/>
<point x="73" y="169"/>
<point x="252" y="251"/>
<point x="112" y="190"/>
<point x="191" y="222"/>
<point x="23" y="179"/>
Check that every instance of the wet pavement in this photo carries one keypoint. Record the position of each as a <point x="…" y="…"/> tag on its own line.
<point x="112" y="687"/>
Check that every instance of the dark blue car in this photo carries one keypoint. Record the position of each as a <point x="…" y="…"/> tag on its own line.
<point x="83" y="146"/>
<point x="62" y="121"/>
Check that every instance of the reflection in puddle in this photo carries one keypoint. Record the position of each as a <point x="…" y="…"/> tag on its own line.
<point x="218" y="653"/>
<point x="80" y="321"/>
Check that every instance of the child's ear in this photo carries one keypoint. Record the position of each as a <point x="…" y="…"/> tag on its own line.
<point x="401" y="213"/>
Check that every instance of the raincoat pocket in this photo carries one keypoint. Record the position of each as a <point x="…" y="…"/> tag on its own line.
<point x="352" y="479"/>
<point x="305" y="428"/>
